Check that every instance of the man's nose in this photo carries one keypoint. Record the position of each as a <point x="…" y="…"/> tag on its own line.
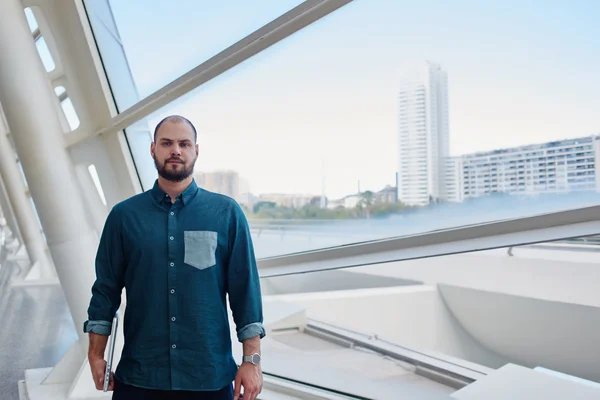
<point x="175" y="151"/>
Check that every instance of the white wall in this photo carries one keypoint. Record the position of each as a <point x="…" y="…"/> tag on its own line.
<point x="531" y="332"/>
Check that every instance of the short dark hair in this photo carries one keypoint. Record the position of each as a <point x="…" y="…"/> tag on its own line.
<point x="176" y="119"/>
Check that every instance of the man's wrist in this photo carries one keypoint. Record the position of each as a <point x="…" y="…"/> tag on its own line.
<point x="94" y="357"/>
<point x="253" y="358"/>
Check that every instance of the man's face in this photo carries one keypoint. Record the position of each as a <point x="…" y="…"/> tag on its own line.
<point x="174" y="151"/>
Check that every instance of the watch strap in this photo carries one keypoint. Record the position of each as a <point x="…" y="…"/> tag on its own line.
<point x="252" y="359"/>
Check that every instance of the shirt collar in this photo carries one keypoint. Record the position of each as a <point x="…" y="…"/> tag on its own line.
<point x="187" y="195"/>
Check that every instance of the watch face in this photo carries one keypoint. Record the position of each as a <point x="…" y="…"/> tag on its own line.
<point x="255" y="358"/>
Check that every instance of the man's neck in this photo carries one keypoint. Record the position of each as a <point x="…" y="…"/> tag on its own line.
<point x="174" y="189"/>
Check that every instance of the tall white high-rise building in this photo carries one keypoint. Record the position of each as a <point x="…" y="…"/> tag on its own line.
<point x="423" y="133"/>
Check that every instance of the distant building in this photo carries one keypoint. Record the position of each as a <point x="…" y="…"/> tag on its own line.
<point x="319" y="201"/>
<point x="386" y="195"/>
<point x="287" y="200"/>
<point x="454" y="180"/>
<point x="248" y="199"/>
<point x="423" y="133"/>
<point x="552" y="167"/>
<point x="333" y="204"/>
<point x="389" y="194"/>
<point x="352" y="200"/>
<point x="224" y="182"/>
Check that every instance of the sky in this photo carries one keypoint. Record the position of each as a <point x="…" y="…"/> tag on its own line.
<point x="323" y="102"/>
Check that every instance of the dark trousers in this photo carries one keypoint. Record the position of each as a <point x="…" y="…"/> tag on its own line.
<point x="128" y="392"/>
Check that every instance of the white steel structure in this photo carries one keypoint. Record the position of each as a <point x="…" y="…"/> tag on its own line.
<point x="459" y="306"/>
<point x="562" y="166"/>
<point x="423" y="133"/>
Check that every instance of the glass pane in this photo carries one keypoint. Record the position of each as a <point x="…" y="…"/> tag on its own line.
<point x="33" y="25"/>
<point x="480" y="123"/>
<point x="59" y="90"/>
<point x="163" y="40"/>
<point x="70" y="113"/>
<point x="44" y="52"/>
<point x="96" y="179"/>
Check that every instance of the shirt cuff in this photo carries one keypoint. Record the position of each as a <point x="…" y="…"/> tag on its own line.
<point x="251" y="330"/>
<point x="99" y="327"/>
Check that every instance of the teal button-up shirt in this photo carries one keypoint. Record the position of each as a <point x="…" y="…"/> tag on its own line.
<point x="177" y="262"/>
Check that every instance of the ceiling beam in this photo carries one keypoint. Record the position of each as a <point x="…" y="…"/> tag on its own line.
<point x="273" y="32"/>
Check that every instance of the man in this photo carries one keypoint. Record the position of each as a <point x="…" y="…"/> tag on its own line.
<point x="178" y="250"/>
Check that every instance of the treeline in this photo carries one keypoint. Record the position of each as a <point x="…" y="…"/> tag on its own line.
<point x="269" y="210"/>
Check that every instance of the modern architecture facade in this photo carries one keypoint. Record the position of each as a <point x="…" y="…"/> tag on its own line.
<point x="422" y="305"/>
<point x="561" y="166"/>
<point x="423" y="133"/>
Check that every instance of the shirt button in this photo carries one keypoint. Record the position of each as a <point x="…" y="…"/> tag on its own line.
<point x="173" y="319"/>
<point x="172" y="213"/>
<point x="172" y="238"/>
<point x="172" y="291"/>
<point x="172" y="264"/>
<point x="174" y="346"/>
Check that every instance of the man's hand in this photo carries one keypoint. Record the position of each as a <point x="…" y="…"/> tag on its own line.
<point x="248" y="376"/>
<point x="98" y="367"/>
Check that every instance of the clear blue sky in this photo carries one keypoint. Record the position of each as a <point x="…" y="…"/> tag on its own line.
<point x="519" y="71"/>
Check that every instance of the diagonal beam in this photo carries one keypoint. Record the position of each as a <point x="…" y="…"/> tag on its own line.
<point x="278" y="29"/>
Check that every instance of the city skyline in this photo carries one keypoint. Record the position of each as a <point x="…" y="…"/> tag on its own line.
<point x="329" y="91"/>
<point x="583" y="152"/>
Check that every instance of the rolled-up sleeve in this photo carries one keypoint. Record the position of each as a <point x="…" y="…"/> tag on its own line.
<point x="108" y="286"/>
<point x="242" y="279"/>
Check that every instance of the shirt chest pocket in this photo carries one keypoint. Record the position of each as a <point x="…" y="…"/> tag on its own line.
<point x="200" y="248"/>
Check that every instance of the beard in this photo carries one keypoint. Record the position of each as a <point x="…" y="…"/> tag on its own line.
<point x="174" y="175"/>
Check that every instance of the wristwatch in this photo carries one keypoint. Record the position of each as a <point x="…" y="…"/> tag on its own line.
<point x="252" y="359"/>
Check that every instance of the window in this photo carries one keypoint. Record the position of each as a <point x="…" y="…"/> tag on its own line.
<point x="40" y="41"/>
<point x="313" y="115"/>
<point x="198" y="31"/>
<point x="67" y="107"/>
<point x="70" y="113"/>
<point x="96" y="179"/>
<point x="45" y="55"/>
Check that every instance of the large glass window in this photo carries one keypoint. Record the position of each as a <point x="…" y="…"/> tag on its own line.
<point x="388" y="118"/>
<point x="163" y="40"/>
